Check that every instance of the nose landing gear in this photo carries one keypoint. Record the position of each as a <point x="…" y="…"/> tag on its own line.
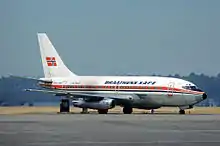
<point x="182" y="109"/>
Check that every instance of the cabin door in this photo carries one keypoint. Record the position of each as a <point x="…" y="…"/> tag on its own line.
<point x="170" y="89"/>
<point x="116" y="89"/>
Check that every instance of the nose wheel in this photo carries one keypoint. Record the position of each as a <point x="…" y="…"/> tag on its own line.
<point x="182" y="112"/>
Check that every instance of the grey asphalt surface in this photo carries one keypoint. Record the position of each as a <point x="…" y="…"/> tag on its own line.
<point x="111" y="129"/>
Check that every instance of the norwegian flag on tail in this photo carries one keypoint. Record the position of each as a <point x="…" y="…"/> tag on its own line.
<point x="51" y="61"/>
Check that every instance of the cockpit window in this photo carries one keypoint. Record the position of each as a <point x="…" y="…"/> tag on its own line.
<point x="193" y="88"/>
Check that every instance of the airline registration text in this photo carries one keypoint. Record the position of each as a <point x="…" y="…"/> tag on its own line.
<point x="131" y="82"/>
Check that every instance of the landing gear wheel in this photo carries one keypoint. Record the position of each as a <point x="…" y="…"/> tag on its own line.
<point x="152" y="111"/>
<point x="182" y="112"/>
<point x="102" y="111"/>
<point x="84" y="111"/>
<point x="127" y="110"/>
<point x="64" y="106"/>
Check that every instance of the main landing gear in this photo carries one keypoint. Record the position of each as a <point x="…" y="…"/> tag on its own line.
<point x="84" y="111"/>
<point x="103" y="111"/>
<point x="127" y="109"/>
<point x="64" y="106"/>
<point x="152" y="111"/>
<point x="181" y="111"/>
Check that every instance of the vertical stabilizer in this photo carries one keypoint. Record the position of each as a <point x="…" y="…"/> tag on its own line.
<point x="53" y="65"/>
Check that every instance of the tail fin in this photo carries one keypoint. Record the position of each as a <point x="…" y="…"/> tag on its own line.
<point x="53" y="65"/>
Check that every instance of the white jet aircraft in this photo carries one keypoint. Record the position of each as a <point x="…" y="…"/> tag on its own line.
<point x="105" y="92"/>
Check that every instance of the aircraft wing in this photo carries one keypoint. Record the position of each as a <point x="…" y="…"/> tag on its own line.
<point x="75" y="95"/>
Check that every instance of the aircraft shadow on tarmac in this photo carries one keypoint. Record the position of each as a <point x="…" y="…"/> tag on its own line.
<point x="140" y="113"/>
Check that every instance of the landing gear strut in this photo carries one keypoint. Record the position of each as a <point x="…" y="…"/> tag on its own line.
<point x="152" y="111"/>
<point x="64" y="106"/>
<point x="183" y="108"/>
<point x="182" y="112"/>
<point x="127" y="109"/>
<point x="84" y="111"/>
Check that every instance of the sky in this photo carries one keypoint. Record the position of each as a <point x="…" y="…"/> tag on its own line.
<point x="112" y="37"/>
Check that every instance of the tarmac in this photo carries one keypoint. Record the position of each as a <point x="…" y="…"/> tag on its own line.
<point x="54" y="109"/>
<point x="114" y="129"/>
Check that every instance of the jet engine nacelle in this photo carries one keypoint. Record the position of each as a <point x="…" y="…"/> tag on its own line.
<point x="103" y="104"/>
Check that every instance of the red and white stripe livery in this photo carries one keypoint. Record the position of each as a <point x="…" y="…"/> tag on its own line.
<point x="105" y="92"/>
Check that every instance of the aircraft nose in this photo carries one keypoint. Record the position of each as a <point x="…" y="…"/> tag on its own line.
<point x="204" y="96"/>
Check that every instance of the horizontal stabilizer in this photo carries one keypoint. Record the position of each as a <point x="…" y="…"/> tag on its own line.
<point x="21" y="77"/>
<point x="31" y="78"/>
